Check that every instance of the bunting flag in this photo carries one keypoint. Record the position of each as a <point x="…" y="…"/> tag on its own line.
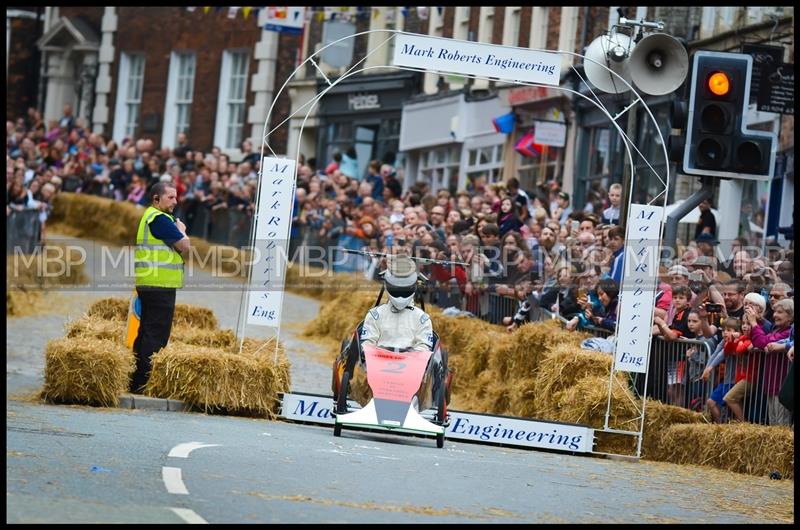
<point x="391" y="14"/>
<point x="216" y="9"/>
<point x="206" y="9"/>
<point x="375" y="12"/>
<point x="527" y="146"/>
<point x="190" y="9"/>
<point x="246" y="12"/>
<point x="439" y="9"/>
<point x="422" y="13"/>
<point x="232" y="12"/>
<point x="285" y="19"/>
<point x="404" y="11"/>
<point x="505" y="123"/>
<point x="320" y="16"/>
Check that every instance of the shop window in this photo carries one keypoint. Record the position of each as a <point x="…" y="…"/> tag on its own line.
<point x="534" y="171"/>
<point x="485" y="161"/>
<point x="439" y="167"/>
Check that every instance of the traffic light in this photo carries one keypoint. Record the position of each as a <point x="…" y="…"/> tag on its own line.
<point x="717" y="143"/>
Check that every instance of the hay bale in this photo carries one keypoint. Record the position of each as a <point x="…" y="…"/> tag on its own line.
<point x="86" y="370"/>
<point x="739" y="447"/>
<point x="110" y="309"/>
<point x="97" y="328"/>
<point x="221" y="380"/>
<point x="657" y="417"/>
<point x="338" y="317"/>
<point x="21" y="303"/>
<point x="185" y="314"/>
<point x="585" y="402"/>
<point x="225" y="260"/>
<point x="52" y="265"/>
<point x="322" y="285"/>
<point x="210" y="338"/>
<point x="522" y="400"/>
<point x="194" y="316"/>
<point x="94" y="217"/>
<point x="561" y="369"/>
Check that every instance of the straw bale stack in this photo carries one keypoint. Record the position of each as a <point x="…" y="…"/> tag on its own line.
<point x="220" y="380"/>
<point x="110" y="309"/>
<point x="658" y="416"/>
<point x="185" y="314"/>
<point x="230" y="261"/>
<point x="86" y="370"/>
<point x="321" y="285"/>
<point x="739" y="447"/>
<point x="338" y="317"/>
<point x="209" y="338"/>
<point x="194" y="316"/>
<point x="201" y="365"/>
<point x="92" y="326"/>
<point x="561" y="369"/>
<point x="30" y="279"/>
<point x="95" y="217"/>
<point x="98" y="218"/>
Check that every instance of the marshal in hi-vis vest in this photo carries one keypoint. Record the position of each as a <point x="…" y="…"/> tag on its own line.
<point x="156" y="264"/>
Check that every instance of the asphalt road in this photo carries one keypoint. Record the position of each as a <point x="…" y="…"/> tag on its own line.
<point x="93" y="465"/>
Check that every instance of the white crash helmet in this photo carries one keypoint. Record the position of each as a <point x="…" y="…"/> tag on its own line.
<point x="400" y="280"/>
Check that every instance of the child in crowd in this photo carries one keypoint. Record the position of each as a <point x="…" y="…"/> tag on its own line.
<point x="746" y="370"/>
<point x="679" y="325"/>
<point x="696" y="357"/>
<point x="731" y="330"/>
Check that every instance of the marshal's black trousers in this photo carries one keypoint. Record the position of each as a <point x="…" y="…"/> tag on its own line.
<point x="158" y="308"/>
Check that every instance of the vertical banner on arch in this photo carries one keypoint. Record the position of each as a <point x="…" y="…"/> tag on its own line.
<point x="637" y="295"/>
<point x="273" y="221"/>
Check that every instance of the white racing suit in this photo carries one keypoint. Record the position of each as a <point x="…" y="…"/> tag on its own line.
<point x="409" y="328"/>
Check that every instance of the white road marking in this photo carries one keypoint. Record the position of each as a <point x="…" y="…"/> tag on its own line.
<point x="183" y="450"/>
<point x="189" y="516"/>
<point x="173" y="481"/>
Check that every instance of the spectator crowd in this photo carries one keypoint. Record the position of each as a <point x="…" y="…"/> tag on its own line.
<point x="503" y="244"/>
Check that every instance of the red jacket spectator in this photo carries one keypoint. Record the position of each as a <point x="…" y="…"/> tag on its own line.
<point x="746" y="365"/>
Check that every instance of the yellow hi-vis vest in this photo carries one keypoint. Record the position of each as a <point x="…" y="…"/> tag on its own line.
<point x="155" y="264"/>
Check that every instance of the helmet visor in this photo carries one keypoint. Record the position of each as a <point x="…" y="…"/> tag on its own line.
<point x="401" y="292"/>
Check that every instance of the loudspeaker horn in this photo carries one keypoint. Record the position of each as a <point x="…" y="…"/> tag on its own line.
<point x="659" y="64"/>
<point x="612" y="51"/>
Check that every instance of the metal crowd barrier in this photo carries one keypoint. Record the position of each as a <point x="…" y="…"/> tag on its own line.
<point x="23" y="231"/>
<point x="673" y="378"/>
<point x="224" y="226"/>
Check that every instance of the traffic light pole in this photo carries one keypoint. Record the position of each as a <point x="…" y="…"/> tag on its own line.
<point x="706" y="191"/>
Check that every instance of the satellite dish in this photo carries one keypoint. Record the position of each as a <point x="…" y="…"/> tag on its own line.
<point x="659" y="64"/>
<point x="612" y="51"/>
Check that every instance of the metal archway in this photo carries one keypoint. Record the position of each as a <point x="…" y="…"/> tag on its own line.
<point x="595" y="100"/>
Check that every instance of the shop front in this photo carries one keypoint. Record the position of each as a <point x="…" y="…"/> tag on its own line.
<point x="545" y="109"/>
<point x="363" y="112"/>
<point x="448" y="139"/>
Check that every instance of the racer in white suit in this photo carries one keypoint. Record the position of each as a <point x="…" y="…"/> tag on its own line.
<point x="398" y="324"/>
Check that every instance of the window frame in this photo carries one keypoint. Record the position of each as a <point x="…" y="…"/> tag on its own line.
<point x="124" y="102"/>
<point x="222" y="127"/>
<point x="172" y="126"/>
